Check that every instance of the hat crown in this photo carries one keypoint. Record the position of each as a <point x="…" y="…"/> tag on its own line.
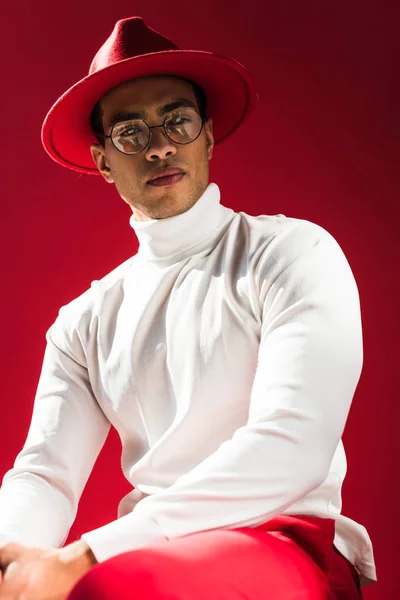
<point x="130" y="37"/>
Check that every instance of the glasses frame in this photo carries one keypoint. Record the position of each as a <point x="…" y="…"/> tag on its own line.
<point x="150" y="127"/>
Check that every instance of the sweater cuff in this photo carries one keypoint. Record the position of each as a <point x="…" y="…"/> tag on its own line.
<point x="125" y="534"/>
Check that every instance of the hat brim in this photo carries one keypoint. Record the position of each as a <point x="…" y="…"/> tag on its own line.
<point x="231" y="96"/>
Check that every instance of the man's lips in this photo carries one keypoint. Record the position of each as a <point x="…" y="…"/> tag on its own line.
<point x="165" y="173"/>
<point x="168" y="180"/>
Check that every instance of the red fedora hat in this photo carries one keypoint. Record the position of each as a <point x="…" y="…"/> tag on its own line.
<point x="135" y="50"/>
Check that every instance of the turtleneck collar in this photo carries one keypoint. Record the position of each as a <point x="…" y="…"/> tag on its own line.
<point x="174" y="238"/>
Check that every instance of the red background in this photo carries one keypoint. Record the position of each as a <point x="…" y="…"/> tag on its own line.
<point x="321" y="145"/>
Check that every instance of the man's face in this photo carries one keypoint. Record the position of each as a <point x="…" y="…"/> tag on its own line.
<point x="130" y="172"/>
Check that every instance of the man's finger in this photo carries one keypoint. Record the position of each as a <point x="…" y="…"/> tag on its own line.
<point x="9" y="553"/>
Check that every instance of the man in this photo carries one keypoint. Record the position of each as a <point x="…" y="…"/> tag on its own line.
<point x="226" y="352"/>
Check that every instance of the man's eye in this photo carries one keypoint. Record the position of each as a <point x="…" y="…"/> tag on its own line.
<point x="180" y="120"/>
<point x="130" y="131"/>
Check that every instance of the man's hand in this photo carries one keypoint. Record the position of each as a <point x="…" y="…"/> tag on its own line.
<point x="42" y="573"/>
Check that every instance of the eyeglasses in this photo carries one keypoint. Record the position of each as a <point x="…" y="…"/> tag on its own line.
<point x="181" y="126"/>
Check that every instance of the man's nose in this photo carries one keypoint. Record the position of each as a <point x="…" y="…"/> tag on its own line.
<point x="160" y="146"/>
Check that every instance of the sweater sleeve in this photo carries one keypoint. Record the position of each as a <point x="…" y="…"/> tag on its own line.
<point x="39" y="495"/>
<point x="309" y="363"/>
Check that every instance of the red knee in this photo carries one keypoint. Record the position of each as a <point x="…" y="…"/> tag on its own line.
<point x="142" y="572"/>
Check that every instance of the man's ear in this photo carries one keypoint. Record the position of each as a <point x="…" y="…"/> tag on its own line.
<point x="99" y="157"/>
<point x="209" y="137"/>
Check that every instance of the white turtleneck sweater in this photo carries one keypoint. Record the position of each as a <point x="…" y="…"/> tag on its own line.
<point x="226" y="353"/>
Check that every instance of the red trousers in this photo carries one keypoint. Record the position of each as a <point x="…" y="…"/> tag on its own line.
<point x="286" y="558"/>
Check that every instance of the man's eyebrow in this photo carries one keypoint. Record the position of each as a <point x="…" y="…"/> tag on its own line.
<point x="163" y="110"/>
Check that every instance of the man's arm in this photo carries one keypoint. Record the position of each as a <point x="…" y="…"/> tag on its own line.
<point x="40" y="494"/>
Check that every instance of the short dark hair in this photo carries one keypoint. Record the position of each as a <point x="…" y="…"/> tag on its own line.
<point x="96" y="116"/>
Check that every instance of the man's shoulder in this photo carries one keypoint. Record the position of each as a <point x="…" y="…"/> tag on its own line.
<point x="84" y="307"/>
<point x="279" y="244"/>
<point x="281" y="230"/>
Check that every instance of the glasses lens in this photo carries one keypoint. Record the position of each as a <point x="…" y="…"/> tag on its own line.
<point x="130" y="136"/>
<point x="183" y="125"/>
